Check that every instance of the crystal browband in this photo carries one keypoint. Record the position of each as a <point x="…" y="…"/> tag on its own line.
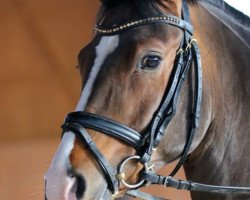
<point x="167" y="19"/>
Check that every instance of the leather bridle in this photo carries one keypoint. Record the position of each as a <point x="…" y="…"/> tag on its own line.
<point x="145" y="143"/>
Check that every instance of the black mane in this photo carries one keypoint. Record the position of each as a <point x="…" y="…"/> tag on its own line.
<point x="112" y="3"/>
<point x="132" y="9"/>
<point x="234" y="13"/>
<point x="218" y="3"/>
<point x="234" y="19"/>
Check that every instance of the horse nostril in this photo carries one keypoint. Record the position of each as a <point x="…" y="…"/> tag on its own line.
<point x="79" y="186"/>
<point x="45" y="196"/>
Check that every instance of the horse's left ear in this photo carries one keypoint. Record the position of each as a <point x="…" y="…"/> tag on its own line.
<point x="172" y="6"/>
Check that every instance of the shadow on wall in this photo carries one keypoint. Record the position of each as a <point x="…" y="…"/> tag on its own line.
<point x="39" y="85"/>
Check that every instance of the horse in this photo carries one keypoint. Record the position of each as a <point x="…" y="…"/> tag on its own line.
<point x="145" y="104"/>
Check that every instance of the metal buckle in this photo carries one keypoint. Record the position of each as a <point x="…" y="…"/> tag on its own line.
<point x="121" y="174"/>
<point x="189" y="45"/>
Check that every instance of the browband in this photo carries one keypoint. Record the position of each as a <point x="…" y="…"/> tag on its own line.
<point x="165" y="19"/>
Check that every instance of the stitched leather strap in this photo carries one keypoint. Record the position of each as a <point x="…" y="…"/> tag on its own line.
<point x="162" y="114"/>
<point x="106" y="168"/>
<point x="169" y="181"/>
<point x="162" y="126"/>
<point x="196" y="107"/>
<point x="108" y="126"/>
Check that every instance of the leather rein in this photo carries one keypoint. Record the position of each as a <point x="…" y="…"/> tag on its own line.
<point x="145" y="143"/>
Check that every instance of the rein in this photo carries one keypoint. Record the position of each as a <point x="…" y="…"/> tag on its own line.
<point x="145" y="143"/>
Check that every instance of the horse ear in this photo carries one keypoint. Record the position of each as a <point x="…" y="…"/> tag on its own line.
<point x="173" y="6"/>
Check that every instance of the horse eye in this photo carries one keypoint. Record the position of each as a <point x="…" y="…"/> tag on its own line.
<point x="150" y="62"/>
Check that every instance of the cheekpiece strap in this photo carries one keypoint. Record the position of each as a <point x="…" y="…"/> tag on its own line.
<point x="108" y="171"/>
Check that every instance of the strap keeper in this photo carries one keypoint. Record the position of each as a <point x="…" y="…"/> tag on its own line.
<point x="180" y="185"/>
<point x="166" y="181"/>
<point x="190" y="185"/>
<point x="158" y="114"/>
<point x="180" y="51"/>
<point x="145" y="158"/>
<point x="196" y="119"/>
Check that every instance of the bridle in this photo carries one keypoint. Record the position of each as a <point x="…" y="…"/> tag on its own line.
<point x="145" y="143"/>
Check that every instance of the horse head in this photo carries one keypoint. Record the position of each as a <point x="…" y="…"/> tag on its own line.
<point x="127" y="71"/>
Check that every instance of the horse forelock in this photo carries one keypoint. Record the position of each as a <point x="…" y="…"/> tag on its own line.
<point x="124" y="11"/>
<point x="112" y="3"/>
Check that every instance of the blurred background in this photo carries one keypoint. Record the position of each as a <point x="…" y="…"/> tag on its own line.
<point x="39" y="85"/>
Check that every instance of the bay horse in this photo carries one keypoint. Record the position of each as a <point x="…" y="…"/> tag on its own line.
<point x="136" y="113"/>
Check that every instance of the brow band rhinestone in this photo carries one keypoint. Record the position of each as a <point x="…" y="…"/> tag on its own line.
<point x="116" y="28"/>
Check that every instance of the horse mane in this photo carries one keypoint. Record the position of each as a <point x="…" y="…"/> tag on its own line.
<point x="234" y="13"/>
<point x="218" y="3"/>
<point x="112" y="3"/>
<point x="231" y="17"/>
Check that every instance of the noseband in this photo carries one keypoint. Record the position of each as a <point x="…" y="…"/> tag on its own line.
<point x="145" y="143"/>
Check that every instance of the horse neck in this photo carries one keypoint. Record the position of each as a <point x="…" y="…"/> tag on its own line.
<point x="222" y="157"/>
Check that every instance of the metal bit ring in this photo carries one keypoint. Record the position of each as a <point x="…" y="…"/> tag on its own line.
<point x="121" y="174"/>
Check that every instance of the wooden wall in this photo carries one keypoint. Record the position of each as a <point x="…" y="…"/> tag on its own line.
<point x="39" y="83"/>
